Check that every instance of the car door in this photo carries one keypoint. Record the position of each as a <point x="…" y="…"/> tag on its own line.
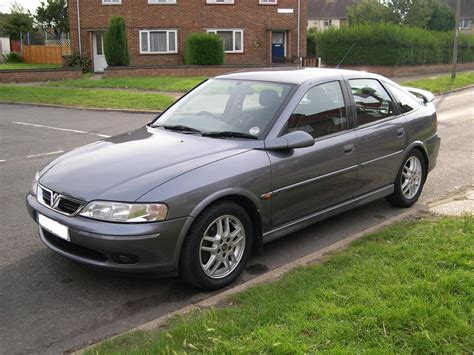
<point x="381" y="135"/>
<point x="306" y="180"/>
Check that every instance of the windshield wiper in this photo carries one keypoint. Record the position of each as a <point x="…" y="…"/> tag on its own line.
<point x="229" y="134"/>
<point x="180" y="128"/>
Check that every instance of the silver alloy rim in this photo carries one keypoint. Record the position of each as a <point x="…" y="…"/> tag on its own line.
<point x="222" y="246"/>
<point x="411" y="177"/>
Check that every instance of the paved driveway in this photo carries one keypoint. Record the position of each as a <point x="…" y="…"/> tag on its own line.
<point x="49" y="304"/>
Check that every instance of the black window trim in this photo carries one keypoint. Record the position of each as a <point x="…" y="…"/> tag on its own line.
<point x="400" y="111"/>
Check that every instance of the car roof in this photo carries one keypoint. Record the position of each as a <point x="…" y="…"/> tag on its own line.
<point x="295" y="76"/>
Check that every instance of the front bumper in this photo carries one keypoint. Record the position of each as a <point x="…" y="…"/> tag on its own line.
<point x="150" y="247"/>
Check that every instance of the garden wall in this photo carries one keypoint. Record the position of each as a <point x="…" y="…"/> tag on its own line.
<point x="33" y="75"/>
<point x="184" y="70"/>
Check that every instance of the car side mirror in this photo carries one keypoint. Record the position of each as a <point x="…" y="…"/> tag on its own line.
<point x="292" y="140"/>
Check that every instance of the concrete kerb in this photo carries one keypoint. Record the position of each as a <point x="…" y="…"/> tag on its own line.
<point x="275" y="274"/>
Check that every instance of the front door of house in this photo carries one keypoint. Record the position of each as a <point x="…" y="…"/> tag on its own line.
<point x="278" y="47"/>
<point x="99" y="56"/>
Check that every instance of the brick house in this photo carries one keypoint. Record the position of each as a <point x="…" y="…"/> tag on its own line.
<point x="323" y="14"/>
<point x="255" y="32"/>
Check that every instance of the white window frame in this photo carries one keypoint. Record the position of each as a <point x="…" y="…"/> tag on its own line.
<point x="167" y="41"/>
<point x="268" y="2"/>
<point x="465" y="23"/>
<point x="161" y="2"/>
<point x="233" y="30"/>
<point x="111" y="2"/>
<point x="220" y="2"/>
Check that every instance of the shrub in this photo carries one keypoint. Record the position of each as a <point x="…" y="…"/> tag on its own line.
<point x="75" y="60"/>
<point x="13" y="57"/>
<point x="311" y="43"/>
<point x="204" y="49"/>
<point x="116" y="43"/>
<point x="388" y="44"/>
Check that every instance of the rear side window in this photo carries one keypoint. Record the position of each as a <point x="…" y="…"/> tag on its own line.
<point x="372" y="101"/>
<point x="405" y="100"/>
<point x="321" y="111"/>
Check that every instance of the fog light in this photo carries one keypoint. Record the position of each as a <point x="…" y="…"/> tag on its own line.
<point x="125" y="258"/>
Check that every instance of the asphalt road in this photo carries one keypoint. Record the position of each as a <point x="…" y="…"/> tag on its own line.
<point x="49" y="304"/>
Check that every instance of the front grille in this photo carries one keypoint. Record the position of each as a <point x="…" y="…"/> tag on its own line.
<point x="74" y="249"/>
<point x="68" y="206"/>
<point x="61" y="203"/>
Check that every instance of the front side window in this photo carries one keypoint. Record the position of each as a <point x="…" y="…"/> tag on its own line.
<point x="372" y="101"/>
<point x="233" y="40"/>
<point x="406" y="101"/>
<point x="321" y="111"/>
<point x="223" y="105"/>
<point x="158" y="41"/>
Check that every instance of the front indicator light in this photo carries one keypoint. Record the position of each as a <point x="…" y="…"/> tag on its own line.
<point x="125" y="212"/>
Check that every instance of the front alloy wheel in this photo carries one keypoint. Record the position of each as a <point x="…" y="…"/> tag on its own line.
<point x="217" y="246"/>
<point x="222" y="246"/>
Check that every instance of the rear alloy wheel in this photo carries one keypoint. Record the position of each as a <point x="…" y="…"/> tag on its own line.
<point x="217" y="246"/>
<point x="410" y="180"/>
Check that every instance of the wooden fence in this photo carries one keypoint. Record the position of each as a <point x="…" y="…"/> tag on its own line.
<point x="45" y="54"/>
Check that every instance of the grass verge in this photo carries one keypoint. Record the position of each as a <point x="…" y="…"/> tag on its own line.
<point x="84" y="98"/>
<point x="408" y="288"/>
<point x="19" y="66"/>
<point x="443" y="83"/>
<point x="176" y="84"/>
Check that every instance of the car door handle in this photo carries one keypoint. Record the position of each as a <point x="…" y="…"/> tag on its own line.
<point x="401" y="132"/>
<point x="348" y="148"/>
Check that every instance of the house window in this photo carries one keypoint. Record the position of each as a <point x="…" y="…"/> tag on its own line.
<point x="327" y="22"/>
<point x="158" y="41"/>
<point x="233" y="40"/>
<point x="219" y="1"/>
<point x="465" y="23"/>
<point x="268" y="2"/>
<point x="111" y="2"/>
<point x="162" y="1"/>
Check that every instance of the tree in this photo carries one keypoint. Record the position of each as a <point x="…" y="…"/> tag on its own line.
<point x="116" y="43"/>
<point x="53" y="14"/>
<point x="370" y="11"/>
<point x="442" y="17"/>
<point x="18" y="21"/>
<point x="430" y="14"/>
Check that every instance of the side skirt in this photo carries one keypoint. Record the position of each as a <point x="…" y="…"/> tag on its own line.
<point x="306" y="221"/>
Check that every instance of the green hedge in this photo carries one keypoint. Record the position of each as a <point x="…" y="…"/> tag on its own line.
<point x="311" y="43"/>
<point x="204" y="49"/>
<point x="386" y="44"/>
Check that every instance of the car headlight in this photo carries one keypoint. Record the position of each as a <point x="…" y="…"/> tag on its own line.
<point x="125" y="212"/>
<point x="34" y="185"/>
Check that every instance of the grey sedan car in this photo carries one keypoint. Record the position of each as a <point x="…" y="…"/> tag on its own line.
<point x="239" y="161"/>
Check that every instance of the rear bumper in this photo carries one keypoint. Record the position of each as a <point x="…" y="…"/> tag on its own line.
<point x="432" y="146"/>
<point x="149" y="247"/>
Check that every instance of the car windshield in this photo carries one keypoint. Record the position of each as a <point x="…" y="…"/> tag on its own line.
<point x="224" y="108"/>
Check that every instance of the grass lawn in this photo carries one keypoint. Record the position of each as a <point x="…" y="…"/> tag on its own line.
<point x="406" y="289"/>
<point x="17" y="66"/>
<point x="85" y="98"/>
<point x="177" y="84"/>
<point x="443" y="83"/>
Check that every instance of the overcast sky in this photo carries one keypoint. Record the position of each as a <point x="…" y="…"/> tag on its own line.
<point x="27" y="4"/>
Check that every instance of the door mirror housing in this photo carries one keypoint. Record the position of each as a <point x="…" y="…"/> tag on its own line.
<point x="292" y="140"/>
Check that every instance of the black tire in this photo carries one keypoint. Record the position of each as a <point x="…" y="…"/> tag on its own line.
<point x="190" y="269"/>
<point x="398" y="198"/>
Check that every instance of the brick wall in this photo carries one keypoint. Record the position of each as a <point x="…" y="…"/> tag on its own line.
<point x="189" y="16"/>
<point x="409" y="70"/>
<point x="33" y="75"/>
<point x="182" y="70"/>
